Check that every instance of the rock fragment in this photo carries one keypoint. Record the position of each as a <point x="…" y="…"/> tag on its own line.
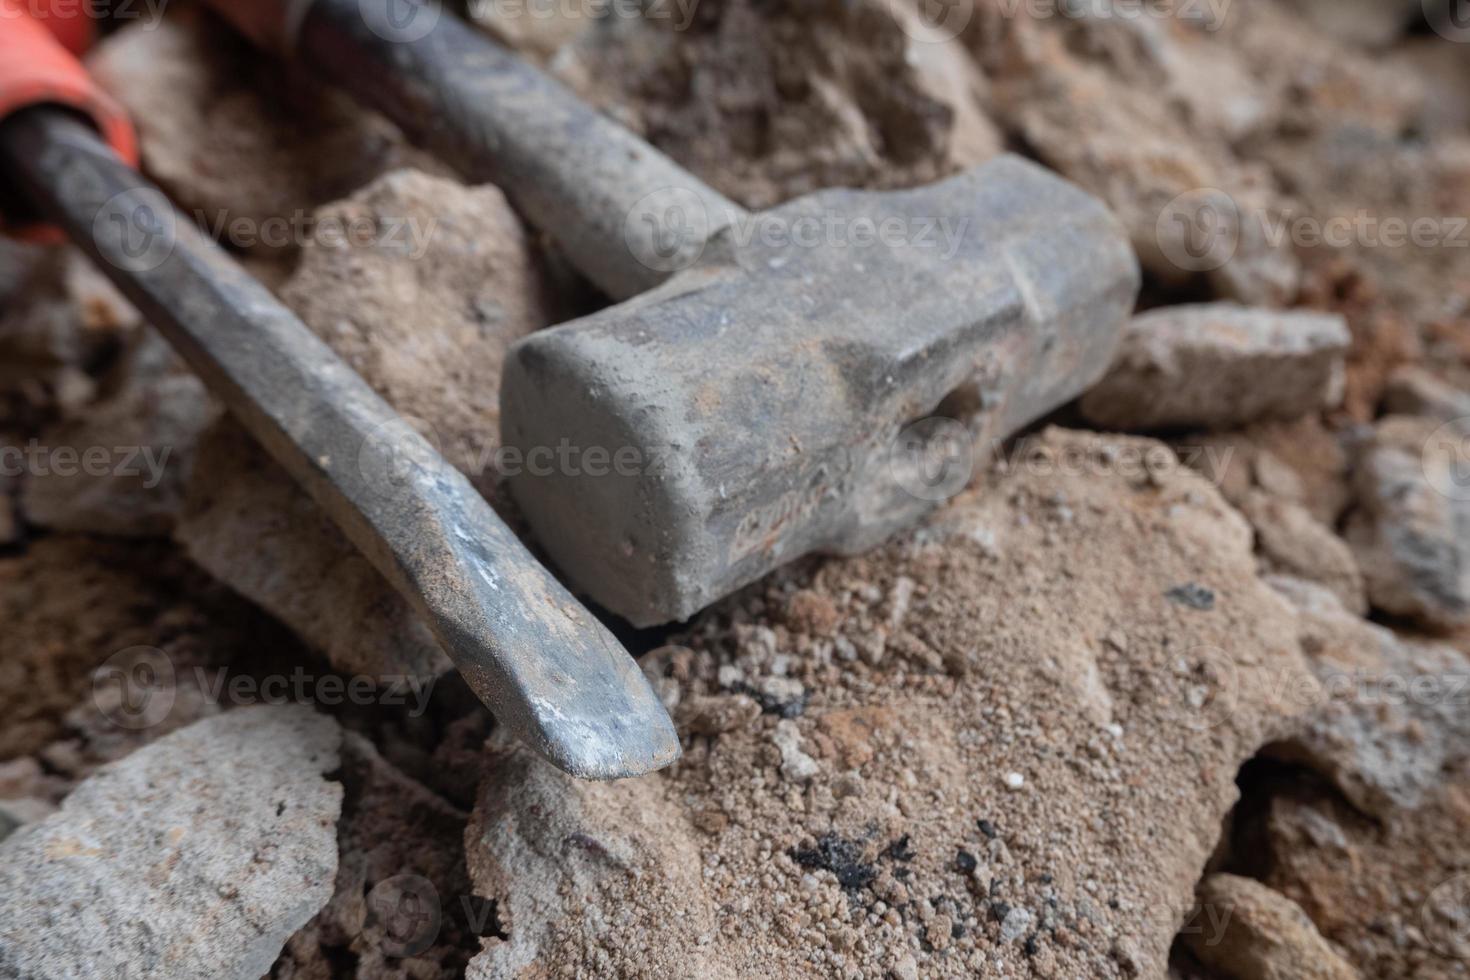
<point x="246" y="522"/>
<point x="1293" y="542"/>
<point x="1246" y="931"/>
<point x="1370" y="23"/>
<point x="1411" y="528"/>
<point x="1393" y="896"/>
<point x="247" y="144"/>
<point x="1174" y="186"/>
<point x="1414" y="390"/>
<point x="798" y="108"/>
<point x="195" y="857"/>
<point x="727" y="866"/>
<point x="402" y="898"/>
<point x="70" y="605"/>
<point x="1218" y="366"/>
<point x="1389" y="718"/>
<point x="129" y="454"/>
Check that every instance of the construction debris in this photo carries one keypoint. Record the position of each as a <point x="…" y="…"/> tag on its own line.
<point x="121" y="468"/>
<point x="1411" y="528"/>
<point x="1389" y="717"/>
<point x="1039" y="684"/>
<point x="1243" y="929"/>
<point x="1116" y="711"/>
<point x="1220" y="366"/>
<point x="197" y="856"/>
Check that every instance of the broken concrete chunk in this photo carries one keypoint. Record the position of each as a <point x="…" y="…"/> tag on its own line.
<point x="1390" y="718"/>
<point x="905" y="779"/>
<point x="1217" y="366"/>
<point x="1189" y="207"/>
<point x="1393" y="895"/>
<point x="128" y="458"/>
<point x="619" y="852"/>
<point x="424" y="302"/>
<point x="1370" y="23"/>
<point x="1302" y="461"/>
<point x="248" y="144"/>
<point x="424" y="309"/>
<point x="798" y="107"/>
<point x="1414" y="390"/>
<point x="1411" y="528"/>
<point x="1244" y="930"/>
<point x="1293" y="542"/>
<point x="195" y="857"/>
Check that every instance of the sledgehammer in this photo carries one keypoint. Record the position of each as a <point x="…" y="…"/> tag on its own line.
<point x="758" y="386"/>
<point x="554" y="676"/>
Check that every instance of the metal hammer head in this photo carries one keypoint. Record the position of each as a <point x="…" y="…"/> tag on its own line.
<point x="749" y="411"/>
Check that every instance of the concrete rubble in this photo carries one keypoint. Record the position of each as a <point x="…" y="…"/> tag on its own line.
<point x="1411" y="527"/>
<point x="896" y="823"/>
<point x="1124" y="708"/>
<point x="1220" y="366"/>
<point x="197" y="856"/>
<point x="142" y="435"/>
<point x="1241" y="928"/>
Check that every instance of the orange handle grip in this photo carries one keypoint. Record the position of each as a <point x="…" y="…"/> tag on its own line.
<point x="36" y="68"/>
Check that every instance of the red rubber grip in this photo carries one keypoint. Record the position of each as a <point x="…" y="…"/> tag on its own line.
<point x="36" y="68"/>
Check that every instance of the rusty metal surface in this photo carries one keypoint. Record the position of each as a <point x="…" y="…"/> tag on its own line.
<point x="760" y="392"/>
<point x="552" y="674"/>
<point x="765" y="392"/>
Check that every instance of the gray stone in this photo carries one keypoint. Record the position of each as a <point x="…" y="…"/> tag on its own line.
<point x="134" y="450"/>
<point x="1411" y="528"/>
<point x="1293" y="542"/>
<point x="196" y="856"/>
<point x="1413" y="390"/>
<point x="1389" y="718"/>
<point x="1219" y="366"/>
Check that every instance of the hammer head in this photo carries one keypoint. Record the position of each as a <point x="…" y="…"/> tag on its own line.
<point x="758" y="406"/>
